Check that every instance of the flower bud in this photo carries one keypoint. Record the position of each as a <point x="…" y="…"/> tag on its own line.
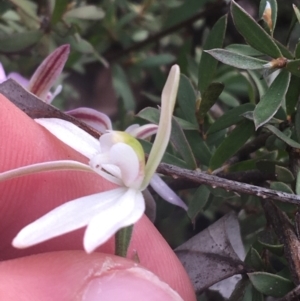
<point x="267" y="16"/>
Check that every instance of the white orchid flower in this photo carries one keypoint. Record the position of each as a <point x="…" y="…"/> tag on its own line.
<point x="119" y="158"/>
<point x="45" y="75"/>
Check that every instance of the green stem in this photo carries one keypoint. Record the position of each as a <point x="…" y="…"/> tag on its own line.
<point x="122" y="241"/>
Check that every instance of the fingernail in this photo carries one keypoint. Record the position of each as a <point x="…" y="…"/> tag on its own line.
<point x="129" y="285"/>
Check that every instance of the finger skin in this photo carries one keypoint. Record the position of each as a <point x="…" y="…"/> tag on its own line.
<point x="74" y="275"/>
<point x="23" y="200"/>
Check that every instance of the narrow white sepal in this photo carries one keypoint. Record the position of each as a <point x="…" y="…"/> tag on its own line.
<point x="161" y="141"/>
<point x="67" y="217"/>
<point x="71" y="135"/>
<point x="45" y="166"/>
<point x="109" y="221"/>
<point x="163" y="190"/>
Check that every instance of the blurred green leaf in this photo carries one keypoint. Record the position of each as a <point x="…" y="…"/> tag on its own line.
<point x="260" y="83"/>
<point x="243" y="49"/>
<point x="292" y="95"/>
<point x="270" y="284"/>
<point x="199" y="147"/>
<point x="198" y="202"/>
<point x="240" y="290"/>
<point x="208" y="99"/>
<point x="152" y="115"/>
<point x="167" y="158"/>
<point x="187" y="99"/>
<point x="256" y="295"/>
<point x="122" y="87"/>
<point x="269" y="241"/>
<point x="88" y="12"/>
<point x="185" y="125"/>
<point x="156" y="61"/>
<point x="178" y="138"/>
<point x="19" y="41"/>
<point x="237" y="60"/>
<point x="297" y="50"/>
<point x="27" y="7"/>
<point x="297" y="189"/>
<point x="254" y="260"/>
<point x="230" y="118"/>
<point x="253" y="33"/>
<point x="266" y="166"/>
<point x="4" y="7"/>
<point x="183" y="12"/>
<point x="83" y="46"/>
<point x="282" y="136"/>
<point x="254" y="163"/>
<point x="280" y="186"/>
<point x="294" y="67"/>
<point x="283" y="174"/>
<point x="59" y="9"/>
<point x="181" y="144"/>
<point x="214" y="140"/>
<point x="271" y="101"/>
<point x="297" y="122"/>
<point x="229" y="99"/>
<point x="208" y="65"/>
<point x="284" y="51"/>
<point x="231" y="144"/>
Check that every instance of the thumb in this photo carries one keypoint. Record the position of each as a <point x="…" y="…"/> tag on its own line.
<point x="67" y="276"/>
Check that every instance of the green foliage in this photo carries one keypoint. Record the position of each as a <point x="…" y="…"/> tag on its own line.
<point x="271" y="101"/>
<point x="270" y="284"/>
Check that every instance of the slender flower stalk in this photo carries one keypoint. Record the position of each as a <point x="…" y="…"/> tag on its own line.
<point x="117" y="157"/>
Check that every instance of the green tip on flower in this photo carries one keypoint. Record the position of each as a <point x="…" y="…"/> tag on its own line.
<point x="128" y="139"/>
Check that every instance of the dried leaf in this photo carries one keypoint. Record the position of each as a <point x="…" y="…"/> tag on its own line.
<point x="211" y="255"/>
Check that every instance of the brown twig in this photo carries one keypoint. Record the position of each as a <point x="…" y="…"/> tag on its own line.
<point x="36" y="108"/>
<point x="214" y="181"/>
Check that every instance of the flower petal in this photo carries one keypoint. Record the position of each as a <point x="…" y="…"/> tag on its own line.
<point x="163" y="190"/>
<point x="121" y="213"/>
<point x="19" y="79"/>
<point x="48" y="71"/>
<point x="45" y="166"/>
<point x="71" y="135"/>
<point x="126" y="159"/>
<point x="99" y="121"/>
<point x="136" y="214"/>
<point x="67" y="217"/>
<point x="2" y="74"/>
<point x="50" y="96"/>
<point x="98" y="163"/>
<point x="142" y="132"/>
<point x="161" y="141"/>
